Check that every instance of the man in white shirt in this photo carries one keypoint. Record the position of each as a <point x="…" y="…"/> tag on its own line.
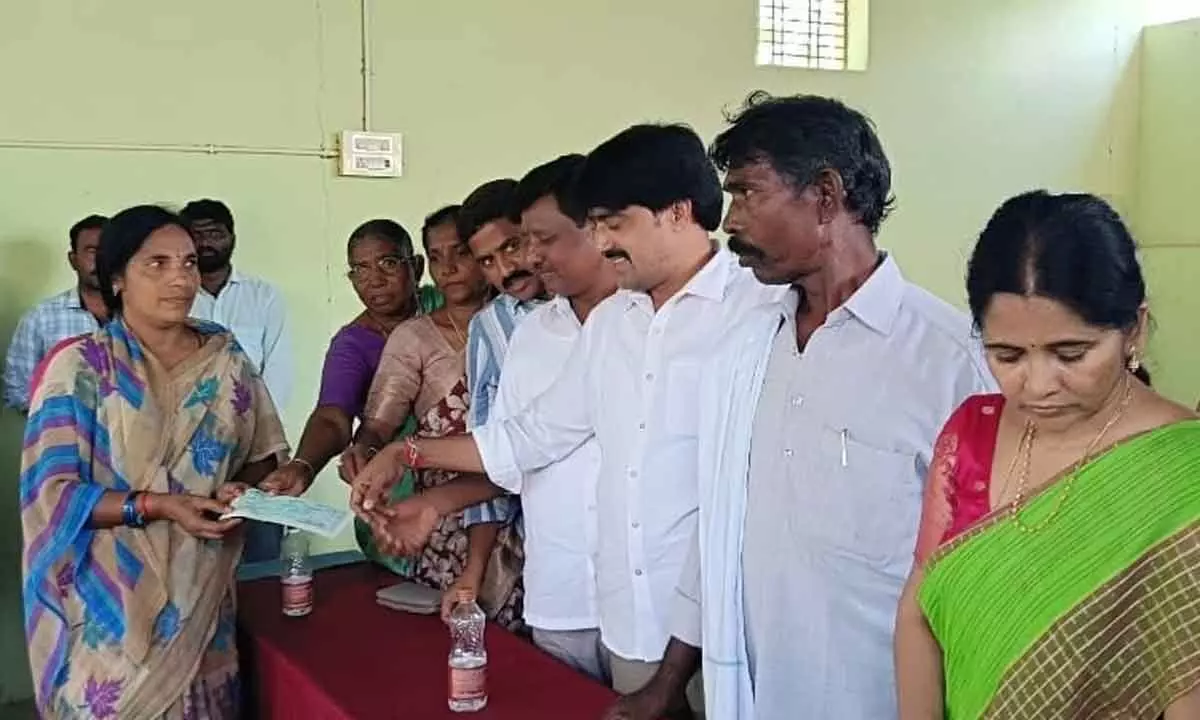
<point x="653" y="198"/>
<point x="254" y="312"/>
<point x="559" y="500"/>
<point x="818" y="421"/>
<point x="251" y="308"/>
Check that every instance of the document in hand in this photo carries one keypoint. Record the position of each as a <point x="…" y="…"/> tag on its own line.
<point x="307" y="515"/>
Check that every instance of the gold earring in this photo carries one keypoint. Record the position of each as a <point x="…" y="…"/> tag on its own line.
<point x="1133" y="363"/>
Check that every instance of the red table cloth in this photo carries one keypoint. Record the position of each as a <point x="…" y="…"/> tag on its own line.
<point x="354" y="659"/>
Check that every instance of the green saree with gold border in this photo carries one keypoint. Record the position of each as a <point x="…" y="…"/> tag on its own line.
<point x="1096" y="614"/>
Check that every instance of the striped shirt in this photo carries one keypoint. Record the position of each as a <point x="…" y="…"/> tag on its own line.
<point x="487" y="344"/>
<point x="47" y="324"/>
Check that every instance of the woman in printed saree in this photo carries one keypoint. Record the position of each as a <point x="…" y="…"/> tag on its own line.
<point x="423" y="373"/>
<point x="139" y="435"/>
<point x="385" y="274"/>
<point x="1057" y="568"/>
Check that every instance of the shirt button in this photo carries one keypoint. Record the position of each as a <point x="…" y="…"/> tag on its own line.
<point x="787" y="452"/>
<point x="649" y="377"/>
<point x="641" y="426"/>
<point x="797" y="401"/>
<point x="980" y="486"/>
<point x="638" y="572"/>
<point x="633" y="473"/>
<point x="636" y="525"/>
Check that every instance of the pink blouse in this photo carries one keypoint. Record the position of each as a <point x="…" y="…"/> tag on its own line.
<point x="957" y="493"/>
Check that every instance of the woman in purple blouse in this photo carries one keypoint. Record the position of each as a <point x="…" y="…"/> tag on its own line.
<point x="385" y="272"/>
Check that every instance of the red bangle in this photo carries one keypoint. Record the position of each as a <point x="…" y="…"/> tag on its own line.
<point x="142" y="504"/>
<point x="412" y="454"/>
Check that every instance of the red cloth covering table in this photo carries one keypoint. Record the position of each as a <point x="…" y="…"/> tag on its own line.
<point x="354" y="659"/>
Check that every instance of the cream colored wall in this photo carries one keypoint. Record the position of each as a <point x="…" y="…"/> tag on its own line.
<point x="1169" y="155"/>
<point x="975" y="100"/>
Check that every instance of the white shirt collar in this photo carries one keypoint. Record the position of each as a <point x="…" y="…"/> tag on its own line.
<point x="875" y="303"/>
<point x="710" y="282"/>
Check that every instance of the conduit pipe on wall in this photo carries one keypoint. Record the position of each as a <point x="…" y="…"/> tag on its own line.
<point x="175" y="148"/>
<point x="218" y="149"/>
<point x="364" y="12"/>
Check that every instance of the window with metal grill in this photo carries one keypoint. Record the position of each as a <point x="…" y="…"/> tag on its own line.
<point x="808" y="33"/>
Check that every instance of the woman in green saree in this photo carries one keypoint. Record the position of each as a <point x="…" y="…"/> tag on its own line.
<point x="1058" y="560"/>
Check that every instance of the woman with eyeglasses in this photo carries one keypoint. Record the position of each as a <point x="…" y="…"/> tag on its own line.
<point x="385" y="273"/>
<point x="423" y="373"/>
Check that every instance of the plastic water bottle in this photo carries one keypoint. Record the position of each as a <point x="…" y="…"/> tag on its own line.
<point x="468" y="657"/>
<point x="296" y="575"/>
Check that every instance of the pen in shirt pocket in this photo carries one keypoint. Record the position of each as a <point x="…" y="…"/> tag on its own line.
<point x="845" y="458"/>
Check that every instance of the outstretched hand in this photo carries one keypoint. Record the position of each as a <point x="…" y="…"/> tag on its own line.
<point x="291" y="478"/>
<point x="403" y="528"/>
<point x="353" y="460"/>
<point x="371" y="485"/>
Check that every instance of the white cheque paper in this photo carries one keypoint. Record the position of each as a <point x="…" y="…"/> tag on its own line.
<point x="308" y="515"/>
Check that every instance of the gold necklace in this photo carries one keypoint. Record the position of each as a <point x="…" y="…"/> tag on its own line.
<point x="462" y="340"/>
<point x="1025" y="449"/>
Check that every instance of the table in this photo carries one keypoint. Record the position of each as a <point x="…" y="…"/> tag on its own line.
<point x="354" y="659"/>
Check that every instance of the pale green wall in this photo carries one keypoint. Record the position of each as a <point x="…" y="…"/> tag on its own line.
<point x="1169" y="155"/>
<point x="975" y="100"/>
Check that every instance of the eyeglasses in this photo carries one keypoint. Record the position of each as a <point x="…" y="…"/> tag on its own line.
<point x="388" y="265"/>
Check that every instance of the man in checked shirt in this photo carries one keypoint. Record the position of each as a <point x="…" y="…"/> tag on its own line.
<point x="498" y="246"/>
<point x="71" y="313"/>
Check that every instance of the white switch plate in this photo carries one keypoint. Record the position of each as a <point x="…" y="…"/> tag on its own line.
<point x="371" y="154"/>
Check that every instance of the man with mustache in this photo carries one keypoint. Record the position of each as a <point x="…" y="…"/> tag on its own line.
<point x="653" y="198"/>
<point x="77" y="311"/>
<point x="253" y="310"/>
<point x="819" y="417"/>
<point x="558" y="502"/>
<point x="497" y="245"/>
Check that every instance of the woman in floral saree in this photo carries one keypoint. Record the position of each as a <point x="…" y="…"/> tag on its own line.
<point x="423" y="373"/>
<point x="138" y="437"/>
<point x="1058" y="560"/>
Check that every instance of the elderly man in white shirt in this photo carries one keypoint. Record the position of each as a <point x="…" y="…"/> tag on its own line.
<point x="653" y="198"/>
<point x="818" y="419"/>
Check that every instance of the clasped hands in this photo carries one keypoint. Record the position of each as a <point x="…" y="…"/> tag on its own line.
<point x="401" y="528"/>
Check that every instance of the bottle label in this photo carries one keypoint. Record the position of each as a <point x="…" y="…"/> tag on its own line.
<point x="297" y="597"/>
<point x="468" y="683"/>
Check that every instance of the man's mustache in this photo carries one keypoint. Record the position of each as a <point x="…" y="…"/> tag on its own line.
<point x="741" y="247"/>
<point x="617" y="254"/>
<point x="515" y="278"/>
